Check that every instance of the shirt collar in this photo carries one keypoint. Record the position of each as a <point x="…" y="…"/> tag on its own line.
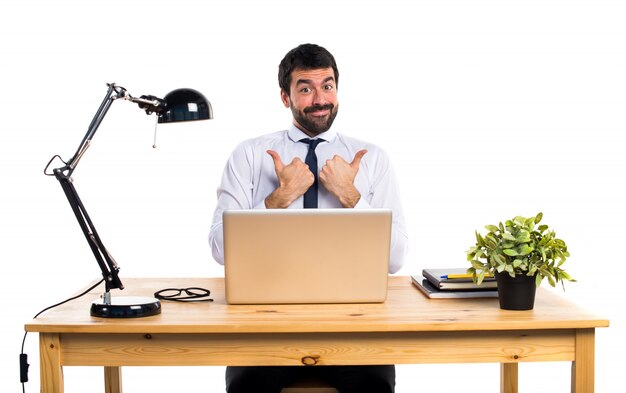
<point x="295" y="134"/>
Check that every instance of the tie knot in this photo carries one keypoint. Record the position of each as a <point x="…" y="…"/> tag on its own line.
<point x="312" y="142"/>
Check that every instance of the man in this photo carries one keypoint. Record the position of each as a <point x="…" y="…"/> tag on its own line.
<point x="269" y="172"/>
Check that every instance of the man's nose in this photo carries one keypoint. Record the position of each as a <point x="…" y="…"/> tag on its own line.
<point x="319" y="98"/>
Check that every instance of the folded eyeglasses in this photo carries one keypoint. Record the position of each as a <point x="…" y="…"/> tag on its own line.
<point x="188" y="295"/>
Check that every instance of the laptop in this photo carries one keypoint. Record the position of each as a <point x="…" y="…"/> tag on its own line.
<point x="281" y="256"/>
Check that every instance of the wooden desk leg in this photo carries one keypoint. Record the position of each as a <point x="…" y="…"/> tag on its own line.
<point x="583" y="368"/>
<point x="113" y="380"/>
<point x="508" y="377"/>
<point x="50" y="369"/>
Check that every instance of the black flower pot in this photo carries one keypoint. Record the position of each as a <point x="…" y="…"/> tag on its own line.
<point x="516" y="293"/>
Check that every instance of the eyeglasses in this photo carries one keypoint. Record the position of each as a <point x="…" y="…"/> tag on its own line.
<point x="191" y="294"/>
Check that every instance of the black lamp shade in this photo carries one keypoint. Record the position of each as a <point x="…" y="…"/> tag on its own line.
<point x="185" y="105"/>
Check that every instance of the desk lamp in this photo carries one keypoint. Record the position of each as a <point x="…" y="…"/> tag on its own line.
<point x="177" y="106"/>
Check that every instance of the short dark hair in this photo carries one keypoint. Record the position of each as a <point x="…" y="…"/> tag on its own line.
<point x="305" y="57"/>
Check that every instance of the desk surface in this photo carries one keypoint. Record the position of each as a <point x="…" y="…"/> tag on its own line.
<point x="406" y="310"/>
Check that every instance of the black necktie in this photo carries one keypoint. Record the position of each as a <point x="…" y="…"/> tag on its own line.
<point x="310" y="196"/>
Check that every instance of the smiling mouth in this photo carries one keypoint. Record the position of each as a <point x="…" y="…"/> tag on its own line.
<point x="321" y="113"/>
<point x="319" y="110"/>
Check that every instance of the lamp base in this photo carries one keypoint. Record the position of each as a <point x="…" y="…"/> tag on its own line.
<point x="126" y="307"/>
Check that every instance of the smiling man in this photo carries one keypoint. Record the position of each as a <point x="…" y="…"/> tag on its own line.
<point x="310" y="165"/>
<point x="314" y="100"/>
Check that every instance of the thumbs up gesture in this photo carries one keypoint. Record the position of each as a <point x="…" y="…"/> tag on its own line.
<point x="293" y="181"/>
<point x="337" y="176"/>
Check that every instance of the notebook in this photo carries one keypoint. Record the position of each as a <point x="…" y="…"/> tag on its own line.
<point x="278" y="256"/>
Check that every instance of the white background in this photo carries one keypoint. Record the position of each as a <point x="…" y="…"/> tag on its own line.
<point x="489" y="109"/>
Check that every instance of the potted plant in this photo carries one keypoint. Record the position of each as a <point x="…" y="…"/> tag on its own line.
<point x="520" y="254"/>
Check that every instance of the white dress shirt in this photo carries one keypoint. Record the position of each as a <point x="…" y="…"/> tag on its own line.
<point x="250" y="177"/>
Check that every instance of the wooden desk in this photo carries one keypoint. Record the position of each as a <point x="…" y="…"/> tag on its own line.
<point x="407" y="328"/>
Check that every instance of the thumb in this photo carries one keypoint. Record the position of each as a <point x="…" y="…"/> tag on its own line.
<point x="278" y="163"/>
<point x="357" y="158"/>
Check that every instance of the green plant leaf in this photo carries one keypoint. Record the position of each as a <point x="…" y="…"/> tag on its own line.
<point x="492" y="228"/>
<point x="529" y="223"/>
<point x="538" y="279"/>
<point x="523" y="236"/>
<point x="478" y="265"/>
<point x="565" y="276"/>
<point x="560" y="243"/>
<point x="508" y="236"/>
<point x="510" y="252"/>
<point x="490" y="242"/>
<point x="480" y="277"/>
<point x="538" y="217"/>
<point x="479" y="239"/>
<point x="525" y="249"/>
<point x="519" y="221"/>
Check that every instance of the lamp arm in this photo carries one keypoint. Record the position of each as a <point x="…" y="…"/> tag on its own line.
<point x="114" y="92"/>
<point x="107" y="264"/>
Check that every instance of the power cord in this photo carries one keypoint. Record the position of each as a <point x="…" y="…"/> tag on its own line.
<point x="24" y="357"/>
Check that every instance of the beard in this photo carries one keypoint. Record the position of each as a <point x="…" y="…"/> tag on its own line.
<point x="315" y="125"/>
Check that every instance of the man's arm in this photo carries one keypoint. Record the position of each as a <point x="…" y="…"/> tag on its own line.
<point x="384" y="192"/>
<point x="234" y="192"/>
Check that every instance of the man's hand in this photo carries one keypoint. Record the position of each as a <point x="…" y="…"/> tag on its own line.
<point x="293" y="181"/>
<point x="337" y="176"/>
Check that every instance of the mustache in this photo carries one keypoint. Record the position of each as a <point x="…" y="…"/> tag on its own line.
<point x="315" y="108"/>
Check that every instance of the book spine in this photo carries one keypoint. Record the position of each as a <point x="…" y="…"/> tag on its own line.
<point x="436" y="281"/>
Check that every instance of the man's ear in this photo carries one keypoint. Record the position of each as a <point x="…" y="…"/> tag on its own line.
<point x="284" y="97"/>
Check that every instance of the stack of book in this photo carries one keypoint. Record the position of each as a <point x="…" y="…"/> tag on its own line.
<point x="453" y="283"/>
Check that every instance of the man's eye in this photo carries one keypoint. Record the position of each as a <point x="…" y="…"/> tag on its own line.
<point x="305" y="90"/>
<point x="329" y="87"/>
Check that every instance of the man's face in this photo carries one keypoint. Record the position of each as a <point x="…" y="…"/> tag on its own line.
<point x="312" y="99"/>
